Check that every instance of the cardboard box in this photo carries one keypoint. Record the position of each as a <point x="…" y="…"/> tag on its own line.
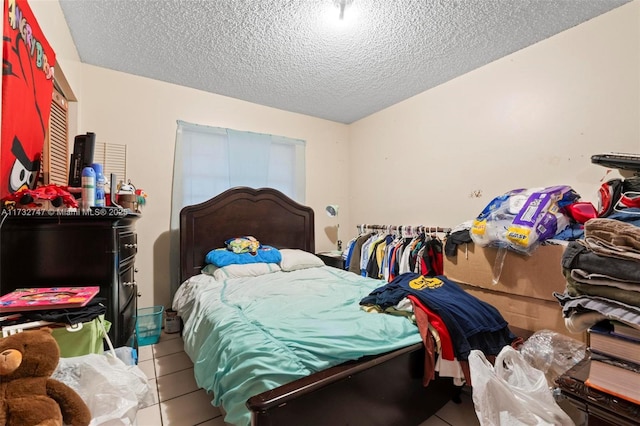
<point x="524" y="290"/>
<point x="526" y="312"/>
<point x="536" y="276"/>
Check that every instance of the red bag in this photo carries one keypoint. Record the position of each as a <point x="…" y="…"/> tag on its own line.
<point x="608" y="196"/>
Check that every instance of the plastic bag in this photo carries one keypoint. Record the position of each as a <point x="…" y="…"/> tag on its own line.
<point x="512" y="393"/>
<point x="125" y="354"/>
<point x="520" y="219"/>
<point x="490" y="227"/>
<point x="552" y="353"/>
<point x="112" y="390"/>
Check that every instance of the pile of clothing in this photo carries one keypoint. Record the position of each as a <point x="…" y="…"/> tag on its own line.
<point x="451" y="322"/>
<point x="603" y="275"/>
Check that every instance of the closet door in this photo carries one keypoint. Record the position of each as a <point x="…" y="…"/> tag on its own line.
<point x="55" y="153"/>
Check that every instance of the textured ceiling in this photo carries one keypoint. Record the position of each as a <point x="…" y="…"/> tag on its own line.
<point x="296" y="55"/>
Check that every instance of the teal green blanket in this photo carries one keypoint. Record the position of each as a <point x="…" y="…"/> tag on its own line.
<point x="249" y="335"/>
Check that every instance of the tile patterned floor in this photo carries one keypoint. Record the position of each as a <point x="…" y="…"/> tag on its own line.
<point x="181" y="403"/>
<point x="170" y="372"/>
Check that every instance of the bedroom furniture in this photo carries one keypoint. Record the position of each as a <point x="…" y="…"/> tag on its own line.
<point x="76" y="250"/>
<point x="332" y="259"/>
<point x="387" y="388"/>
<point x="599" y="407"/>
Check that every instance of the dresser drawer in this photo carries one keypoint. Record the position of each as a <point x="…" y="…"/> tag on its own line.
<point x="128" y="286"/>
<point x="128" y="245"/>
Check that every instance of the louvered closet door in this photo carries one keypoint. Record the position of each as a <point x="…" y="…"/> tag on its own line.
<point x="113" y="157"/>
<point x="55" y="162"/>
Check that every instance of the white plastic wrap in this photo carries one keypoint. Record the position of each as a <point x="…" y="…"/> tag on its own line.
<point x="513" y="393"/>
<point x="112" y="390"/>
<point x="522" y="218"/>
<point x="552" y="353"/>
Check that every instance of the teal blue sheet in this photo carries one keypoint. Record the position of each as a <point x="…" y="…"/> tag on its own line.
<point x="249" y="335"/>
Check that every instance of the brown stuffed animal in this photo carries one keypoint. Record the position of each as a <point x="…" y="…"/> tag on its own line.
<point x="28" y="396"/>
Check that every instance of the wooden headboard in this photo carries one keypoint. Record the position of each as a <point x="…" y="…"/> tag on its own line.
<point x="267" y="214"/>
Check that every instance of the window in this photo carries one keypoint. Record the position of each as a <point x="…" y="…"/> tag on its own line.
<point x="210" y="160"/>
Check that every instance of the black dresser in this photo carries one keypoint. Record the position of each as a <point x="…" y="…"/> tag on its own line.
<point x="76" y="250"/>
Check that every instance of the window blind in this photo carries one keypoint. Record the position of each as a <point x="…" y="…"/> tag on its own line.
<point x="113" y="158"/>
<point x="55" y="155"/>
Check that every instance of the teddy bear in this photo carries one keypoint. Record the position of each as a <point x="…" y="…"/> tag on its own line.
<point x="28" y="396"/>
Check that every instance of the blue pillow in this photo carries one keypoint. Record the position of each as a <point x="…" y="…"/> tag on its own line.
<point x="223" y="257"/>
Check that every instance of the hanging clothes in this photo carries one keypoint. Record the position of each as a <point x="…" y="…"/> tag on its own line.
<point x="393" y="250"/>
<point x="356" y="253"/>
<point x="348" y="253"/>
<point x="430" y="262"/>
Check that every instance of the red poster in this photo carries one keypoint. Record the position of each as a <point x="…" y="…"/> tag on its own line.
<point x="27" y="86"/>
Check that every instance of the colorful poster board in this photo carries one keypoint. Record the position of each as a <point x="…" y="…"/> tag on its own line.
<point x="30" y="299"/>
<point x="27" y="86"/>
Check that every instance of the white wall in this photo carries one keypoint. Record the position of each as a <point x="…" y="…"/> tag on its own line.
<point x="54" y="27"/>
<point x="533" y="118"/>
<point x="142" y="113"/>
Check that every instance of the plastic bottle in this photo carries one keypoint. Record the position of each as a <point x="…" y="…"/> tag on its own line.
<point x="88" y="188"/>
<point x="100" y="185"/>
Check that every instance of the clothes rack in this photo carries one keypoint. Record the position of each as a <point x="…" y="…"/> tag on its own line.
<point x="404" y="230"/>
<point x="386" y="251"/>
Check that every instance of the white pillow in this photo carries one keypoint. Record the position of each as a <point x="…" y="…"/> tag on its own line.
<point x="294" y="259"/>
<point x="240" y="270"/>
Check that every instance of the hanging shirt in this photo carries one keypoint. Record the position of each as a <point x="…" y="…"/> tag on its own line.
<point x="365" y="253"/>
<point x="354" y="262"/>
<point x="348" y="252"/>
<point x="431" y="262"/>
<point x="370" y="255"/>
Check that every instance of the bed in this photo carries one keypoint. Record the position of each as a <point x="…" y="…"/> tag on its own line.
<point x="383" y="388"/>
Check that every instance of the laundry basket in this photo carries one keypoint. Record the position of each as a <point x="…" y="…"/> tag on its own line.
<point x="149" y="325"/>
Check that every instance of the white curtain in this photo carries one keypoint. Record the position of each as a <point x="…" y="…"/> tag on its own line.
<point x="209" y="160"/>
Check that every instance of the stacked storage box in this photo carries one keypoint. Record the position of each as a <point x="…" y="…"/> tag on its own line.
<point x="524" y="291"/>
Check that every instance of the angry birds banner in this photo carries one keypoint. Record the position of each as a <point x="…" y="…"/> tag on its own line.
<point x="27" y="86"/>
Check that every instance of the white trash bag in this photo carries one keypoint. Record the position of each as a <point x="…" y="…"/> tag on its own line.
<point x="513" y="393"/>
<point x="112" y="390"/>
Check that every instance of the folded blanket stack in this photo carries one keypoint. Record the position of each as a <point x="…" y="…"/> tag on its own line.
<point x="603" y="275"/>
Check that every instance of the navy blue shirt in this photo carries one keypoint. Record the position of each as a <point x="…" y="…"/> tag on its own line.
<point x="472" y="323"/>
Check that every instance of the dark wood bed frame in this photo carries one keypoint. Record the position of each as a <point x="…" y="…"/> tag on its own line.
<point x="378" y="390"/>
